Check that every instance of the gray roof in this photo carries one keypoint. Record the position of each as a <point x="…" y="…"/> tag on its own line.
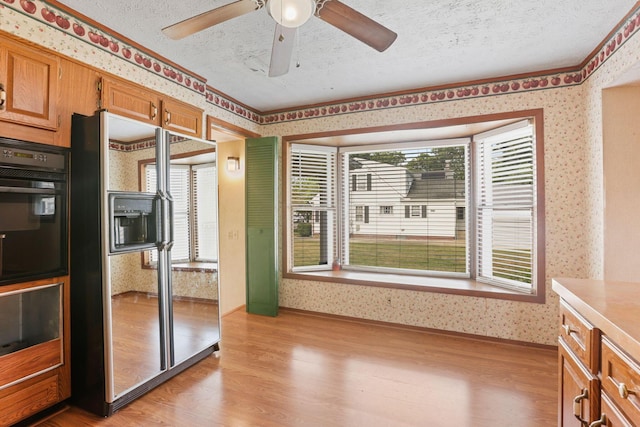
<point x="436" y="188"/>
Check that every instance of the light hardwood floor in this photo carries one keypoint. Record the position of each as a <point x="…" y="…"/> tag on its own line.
<point x="304" y="370"/>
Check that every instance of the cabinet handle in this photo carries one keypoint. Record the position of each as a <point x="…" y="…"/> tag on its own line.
<point x="568" y="330"/>
<point x="577" y="405"/>
<point x="167" y="117"/>
<point x="599" y="423"/>
<point x="3" y="97"/>
<point x="623" y="391"/>
<point x="154" y="111"/>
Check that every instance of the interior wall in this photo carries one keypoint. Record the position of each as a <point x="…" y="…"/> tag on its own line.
<point x="232" y="227"/>
<point x="573" y="185"/>
<point x="621" y="159"/>
<point x="564" y="117"/>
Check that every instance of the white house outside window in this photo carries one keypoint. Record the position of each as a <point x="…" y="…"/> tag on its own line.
<point x="422" y="190"/>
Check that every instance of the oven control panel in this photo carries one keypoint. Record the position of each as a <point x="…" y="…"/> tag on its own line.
<point x="20" y="157"/>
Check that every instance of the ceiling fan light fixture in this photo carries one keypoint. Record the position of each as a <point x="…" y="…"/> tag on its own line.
<point x="291" y="13"/>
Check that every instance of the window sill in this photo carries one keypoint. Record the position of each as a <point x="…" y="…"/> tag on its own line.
<point x="468" y="287"/>
<point x="201" y="267"/>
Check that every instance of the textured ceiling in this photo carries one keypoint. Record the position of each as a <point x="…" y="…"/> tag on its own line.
<point x="439" y="42"/>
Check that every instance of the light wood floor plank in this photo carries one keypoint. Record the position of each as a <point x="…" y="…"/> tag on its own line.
<point x="305" y="370"/>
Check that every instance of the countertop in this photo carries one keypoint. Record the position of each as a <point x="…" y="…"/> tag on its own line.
<point x="612" y="307"/>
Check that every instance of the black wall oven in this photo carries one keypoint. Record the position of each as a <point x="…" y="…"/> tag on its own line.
<point x="33" y="211"/>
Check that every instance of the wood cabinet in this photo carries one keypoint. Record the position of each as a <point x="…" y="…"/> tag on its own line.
<point x="599" y="349"/>
<point x="29" y="85"/>
<point x="35" y="355"/>
<point x="78" y="94"/>
<point x="138" y="103"/>
<point x="621" y="380"/>
<point x="579" y="389"/>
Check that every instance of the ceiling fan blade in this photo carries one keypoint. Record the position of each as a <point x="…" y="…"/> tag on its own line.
<point x="209" y="19"/>
<point x="283" y="41"/>
<point x="357" y="25"/>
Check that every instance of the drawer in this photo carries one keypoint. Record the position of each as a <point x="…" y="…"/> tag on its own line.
<point x="580" y="336"/>
<point x="30" y="361"/>
<point x="28" y="399"/>
<point x="611" y="416"/>
<point x="621" y="380"/>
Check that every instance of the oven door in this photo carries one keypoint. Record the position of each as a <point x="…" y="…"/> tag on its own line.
<point x="33" y="226"/>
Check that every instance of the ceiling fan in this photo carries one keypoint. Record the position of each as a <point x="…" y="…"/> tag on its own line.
<point x="289" y="15"/>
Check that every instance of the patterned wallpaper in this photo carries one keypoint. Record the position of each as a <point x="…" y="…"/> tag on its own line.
<point x="573" y="171"/>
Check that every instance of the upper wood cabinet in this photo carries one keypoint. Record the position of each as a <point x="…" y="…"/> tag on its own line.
<point x="182" y="118"/>
<point x="78" y="94"/>
<point x="136" y="102"/>
<point x="28" y="86"/>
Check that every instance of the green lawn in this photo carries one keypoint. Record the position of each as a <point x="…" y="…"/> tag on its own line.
<point x="409" y="254"/>
<point x="446" y="256"/>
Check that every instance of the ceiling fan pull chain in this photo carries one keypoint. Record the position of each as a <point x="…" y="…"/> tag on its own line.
<point x="297" y="48"/>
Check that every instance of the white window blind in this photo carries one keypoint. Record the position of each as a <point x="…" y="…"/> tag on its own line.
<point x="179" y="187"/>
<point x="312" y="174"/>
<point x="205" y="212"/>
<point x="506" y="206"/>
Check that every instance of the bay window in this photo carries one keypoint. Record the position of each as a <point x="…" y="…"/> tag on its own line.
<point x="463" y="208"/>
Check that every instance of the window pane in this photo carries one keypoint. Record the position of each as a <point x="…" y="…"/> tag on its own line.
<point x="414" y="223"/>
<point x="506" y="207"/>
<point x="180" y="187"/>
<point x="312" y="205"/>
<point x="204" y="182"/>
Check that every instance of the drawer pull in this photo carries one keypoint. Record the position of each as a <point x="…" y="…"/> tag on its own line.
<point x="623" y="391"/>
<point x="154" y="111"/>
<point x="568" y="330"/>
<point x="577" y="404"/>
<point x="3" y="97"/>
<point x="599" y="423"/>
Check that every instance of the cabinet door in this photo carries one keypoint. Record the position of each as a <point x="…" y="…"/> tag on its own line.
<point x="579" y="391"/>
<point x="182" y="118"/>
<point x="29" y="82"/>
<point x="130" y="101"/>
<point x="78" y="94"/>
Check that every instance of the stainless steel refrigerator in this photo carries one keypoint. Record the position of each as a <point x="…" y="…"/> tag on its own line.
<point x="144" y="252"/>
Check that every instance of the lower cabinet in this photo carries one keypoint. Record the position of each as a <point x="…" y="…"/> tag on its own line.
<point x="579" y="390"/>
<point x="620" y="386"/>
<point x="28" y="398"/>
<point x="610" y="416"/>
<point x="599" y="384"/>
<point x="34" y="348"/>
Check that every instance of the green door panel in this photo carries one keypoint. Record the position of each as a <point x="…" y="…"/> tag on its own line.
<point x="261" y="204"/>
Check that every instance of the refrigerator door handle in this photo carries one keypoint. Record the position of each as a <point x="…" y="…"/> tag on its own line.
<point x="162" y="220"/>
<point x="169" y="220"/>
<point x="157" y="201"/>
